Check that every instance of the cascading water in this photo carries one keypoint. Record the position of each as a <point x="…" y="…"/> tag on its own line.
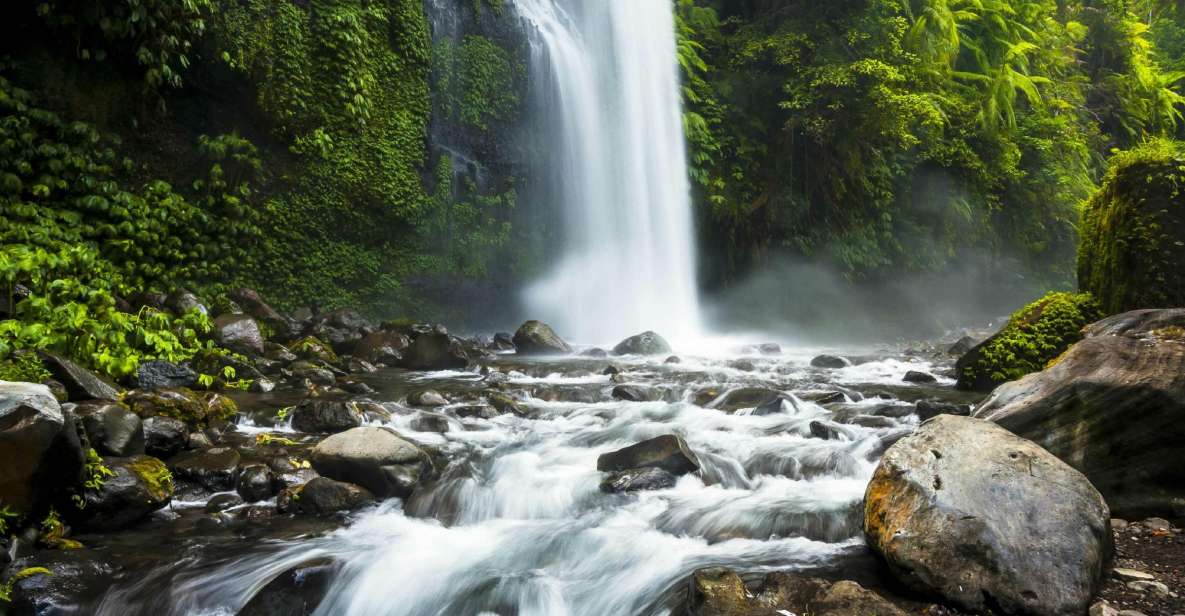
<point x="614" y="151"/>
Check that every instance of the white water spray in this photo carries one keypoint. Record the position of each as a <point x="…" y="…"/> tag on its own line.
<point x="615" y="153"/>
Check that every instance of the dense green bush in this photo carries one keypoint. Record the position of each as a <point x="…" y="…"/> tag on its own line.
<point x="1133" y="231"/>
<point x="1034" y="336"/>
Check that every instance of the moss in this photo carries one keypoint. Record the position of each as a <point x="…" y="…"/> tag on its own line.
<point x="155" y="475"/>
<point x="24" y="367"/>
<point x="311" y="347"/>
<point x="196" y="410"/>
<point x="219" y="407"/>
<point x="1034" y="337"/>
<point x="10" y="583"/>
<point x="1132" y="240"/>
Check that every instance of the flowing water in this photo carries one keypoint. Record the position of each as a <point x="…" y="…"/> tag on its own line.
<point x="608" y="99"/>
<point x="517" y="524"/>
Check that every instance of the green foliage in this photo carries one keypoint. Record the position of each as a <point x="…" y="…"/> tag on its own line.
<point x="7" y="516"/>
<point x="154" y="474"/>
<point x="1035" y="336"/>
<point x="24" y="367"/>
<point x="1132" y="240"/>
<point x="476" y="81"/>
<point x="157" y="36"/>
<point x="95" y="474"/>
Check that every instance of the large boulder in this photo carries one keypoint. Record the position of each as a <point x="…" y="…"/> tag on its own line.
<point x="239" y="333"/>
<point x="537" y="338"/>
<point x="718" y="591"/>
<point x="317" y="416"/>
<point x="40" y="453"/>
<point x="645" y="343"/>
<point x="81" y="384"/>
<point x="111" y="428"/>
<point x="214" y="469"/>
<point x="435" y="350"/>
<point x="377" y="459"/>
<point x="197" y="410"/>
<point x="1112" y="407"/>
<point x="1033" y="336"/>
<point x="1133" y="232"/>
<point x="137" y="486"/>
<point x="382" y="347"/>
<point x="668" y="452"/>
<point x="157" y="374"/>
<point x="325" y="496"/>
<point x="165" y="436"/>
<point x="295" y="592"/>
<point x="253" y="304"/>
<point x="965" y="510"/>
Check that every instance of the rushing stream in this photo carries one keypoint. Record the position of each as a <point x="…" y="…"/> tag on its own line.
<point x="517" y="525"/>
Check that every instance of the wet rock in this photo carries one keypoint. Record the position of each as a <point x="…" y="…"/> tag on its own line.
<point x="221" y="502"/>
<point x="307" y="371"/>
<point x="769" y="348"/>
<point x="427" y="397"/>
<point x="58" y="390"/>
<point x="253" y="305"/>
<point x="157" y="373"/>
<point x="477" y="411"/>
<point x="256" y="483"/>
<point x="295" y="592"/>
<point x="638" y="479"/>
<point x="261" y="386"/>
<point x="826" y="430"/>
<point x="356" y="387"/>
<point x="430" y="423"/>
<point x="137" y="486"/>
<point x="595" y="352"/>
<point x="436" y="350"/>
<point x="830" y="361"/>
<point x="503" y="342"/>
<point x="915" y="376"/>
<point x="355" y="365"/>
<point x="746" y="397"/>
<point x="667" y="452"/>
<point x="383" y="347"/>
<point x="214" y="469"/>
<point x="743" y="365"/>
<point x="611" y="370"/>
<point x="943" y="508"/>
<point x="721" y="592"/>
<point x="197" y="410"/>
<point x="72" y="574"/>
<point x="164" y="436"/>
<point x="961" y="347"/>
<point x="506" y="404"/>
<point x="342" y="329"/>
<point x="239" y="333"/>
<point x="324" y="496"/>
<point x="111" y="428"/>
<point x="311" y="348"/>
<point x="927" y="409"/>
<point x="781" y="404"/>
<point x="645" y="343"/>
<point x="181" y="301"/>
<point x="317" y="416"/>
<point x="375" y="458"/>
<point x="81" y="384"/>
<point x="871" y="421"/>
<point x="40" y="453"/>
<point x="632" y="393"/>
<point x="536" y="338"/>
<point x="1112" y="407"/>
<point x="674" y="359"/>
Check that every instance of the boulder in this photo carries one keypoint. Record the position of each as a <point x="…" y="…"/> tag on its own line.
<point x="165" y="436"/>
<point x="1112" y="407"/>
<point x="214" y="469"/>
<point x="746" y="398"/>
<point x="40" y="453"/>
<point x="927" y="409"/>
<point x="257" y="482"/>
<point x="427" y="397"/>
<point x="317" y="416"/>
<point x="830" y="361"/>
<point x="719" y="591"/>
<point x="536" y="338"/>
<point x="137" y="486"/>
<point x="435" y="350"/>
<point x="295" y="592"/>
<point x="645" y="343"/>
<point x="477" y="411"/>
<point x="312" y="348"/>
<point x="917" y="376"/>
<point x="382" y="347"/>
<point x="81" y="384"/>
<point x="324" y="496"/>
<point x="1141" y="324"/>
<point x="1132" y="236"/>
<point x="111" y="428"/>
<point x="342" y="329"/>
<point x="632" y="393"/>
<point x="503" y="342"/>
<point x="965" y="510"/>
<point x="158" y="373"/>
<point x="638" y="479"/>
<point x="239" y="333"/>
<point x="197" y="410"/>
<point x="253" y="304"/>
<point x="377" y="459"/>
<point x="769" y="348"/>
<point x="961" y="347"/>
<point x="222" y="502"/>
<point x="181" y="301"/>
<point x="667" y="452"/>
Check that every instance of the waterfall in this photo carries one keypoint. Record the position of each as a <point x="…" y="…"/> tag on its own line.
<point x="607" y="84"/>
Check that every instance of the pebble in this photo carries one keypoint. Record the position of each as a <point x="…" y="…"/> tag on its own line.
<point x="1157" y="524"/>
<point x="1132" y="574"/>
<point x="1149" y="586"/>
<point x="1118" y="524"/>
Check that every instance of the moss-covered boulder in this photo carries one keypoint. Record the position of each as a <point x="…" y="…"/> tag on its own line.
<point x="1133" y="231"/>
<point x="312" y="348"/>
<point x="197" y="410"/>
<point x="130" y="490"/>
<point x="1034" y="336"/>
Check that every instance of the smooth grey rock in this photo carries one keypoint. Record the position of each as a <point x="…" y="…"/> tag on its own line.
<point x="428" y="397"/>
<point x="111" y="428"/>
<point x="239" y="333"/>
<point x="256" y="483"/>
<point x="668" y="452"/>
<point x="324" y="496"/>
<point x="159" y="373"/>
<point x="214" y="469"/>
<point x="638" y="479"/>
<point x="645" y="343"/>
<point x="435" y="350"/>
<point x="81" y="384"/>
<point x="165" y="436"/>
<point x="536" y="338"/>
<point x="632" y="393"/>
<point x="40" y="453"/>
<point x="317" y="416"/>
<point x="968" y="511"/>
<point x="377" y="459"/>
<point x="830" y="361"/>
<point x="916" y="376"/>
